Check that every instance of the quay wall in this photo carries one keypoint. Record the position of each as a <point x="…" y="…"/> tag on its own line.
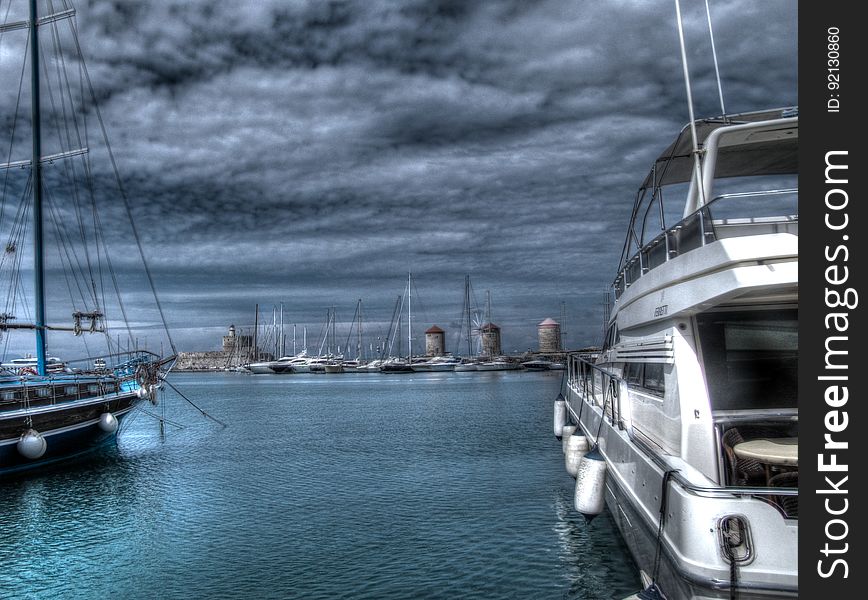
<point x="202" y="361"/>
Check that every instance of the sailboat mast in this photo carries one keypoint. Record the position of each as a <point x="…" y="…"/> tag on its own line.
<point x="488" y="306"/>
<point x="281" y="344"/>
<point x="467" y="308"/>
<point x="255" y="333"/>
<point x="36" y="169"/>
<point x="409" y="322"/>
<point x="334" y="341"/>
<point x="359" y="357"/>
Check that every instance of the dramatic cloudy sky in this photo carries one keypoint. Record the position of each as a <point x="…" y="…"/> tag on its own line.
<point x="314" y="152"/>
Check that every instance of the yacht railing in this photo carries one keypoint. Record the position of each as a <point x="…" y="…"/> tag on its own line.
<point x="694" y="231"/>
<point x="80" y="379"/>
<point x="604" y="390"/>
<point x="601" y="387"/>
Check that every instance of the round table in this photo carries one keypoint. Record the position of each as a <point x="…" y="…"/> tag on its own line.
<point x="771" y="451"/>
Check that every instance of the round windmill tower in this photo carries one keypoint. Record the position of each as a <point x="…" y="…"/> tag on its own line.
<point x="435" y="341"/>
<point x="549" y="335"/>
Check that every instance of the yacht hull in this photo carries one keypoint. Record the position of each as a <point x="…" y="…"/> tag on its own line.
<point x="433" y="368"/>
<point x="692" y="565"/>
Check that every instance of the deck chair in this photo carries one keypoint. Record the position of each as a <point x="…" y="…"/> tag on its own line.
<point x="741" y="470"/>
<point x="790" y="504"/>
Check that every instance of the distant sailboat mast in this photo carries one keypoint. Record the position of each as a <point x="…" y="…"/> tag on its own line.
<point x="359" y="351"/>
<point x="255" y="334"/>
<point x="467" y="307"/>
<point x="409" y="321"/>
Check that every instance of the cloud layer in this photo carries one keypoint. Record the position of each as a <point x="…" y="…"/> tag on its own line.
<point x="313" y="153"/>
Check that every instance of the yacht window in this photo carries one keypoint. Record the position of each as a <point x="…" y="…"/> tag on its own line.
<point x="44" y="392"/>
<point x="93" y="388"/>
<point x="750" y="358"/>
<point x="633" y="373"/>
<point x="9" y="395"/>
<point x="653" y="381"/>
<point x="70" y="390"/>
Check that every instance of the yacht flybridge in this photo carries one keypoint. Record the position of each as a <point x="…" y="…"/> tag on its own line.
<point x="691" y="404"/>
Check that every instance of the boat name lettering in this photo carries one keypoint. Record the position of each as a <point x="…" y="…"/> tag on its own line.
<point x="661" y="310"/>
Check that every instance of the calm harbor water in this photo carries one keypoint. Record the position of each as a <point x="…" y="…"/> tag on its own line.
<point x="441" y="485"/>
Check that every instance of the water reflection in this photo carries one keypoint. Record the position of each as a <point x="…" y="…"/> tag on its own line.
<point x="320" y="487"/>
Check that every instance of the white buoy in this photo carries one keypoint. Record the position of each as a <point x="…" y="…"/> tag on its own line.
<point x="108" y="422"/>
<point x="32" y="444"/>
<point x="577" y="447"/>
<point x="590" y="484"/>
<point x="560" y="415"/>
<point x="152" y="393"/>
<point x="142" y="392"/>
<point x="567" y="432"/>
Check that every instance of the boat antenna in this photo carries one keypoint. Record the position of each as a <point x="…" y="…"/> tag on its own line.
<point x="696" y="183"/>
<point x="714" y="56"/>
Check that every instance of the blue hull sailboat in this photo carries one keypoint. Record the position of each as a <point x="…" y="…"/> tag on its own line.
<point x="51" y="409"/>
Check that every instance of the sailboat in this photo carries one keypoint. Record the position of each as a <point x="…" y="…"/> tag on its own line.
<point x="471" y="325"/>
<point x="400" y="365"/>
<point x="51" y="409"/>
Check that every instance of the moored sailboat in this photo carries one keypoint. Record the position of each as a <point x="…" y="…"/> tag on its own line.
<point x="50" y="409"/>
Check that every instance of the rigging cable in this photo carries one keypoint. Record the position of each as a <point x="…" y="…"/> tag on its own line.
<point x="123" y="194"/>
<point x="63" y="78"/>
<point x="714" y="56"/>
<point x="14" y="122"/>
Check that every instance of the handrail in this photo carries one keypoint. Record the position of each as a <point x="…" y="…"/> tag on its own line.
<point x="613" y="387"/>
<point x="682" y="481"/>
<point x="756" y="193"/>
<point x="671" y="236"/>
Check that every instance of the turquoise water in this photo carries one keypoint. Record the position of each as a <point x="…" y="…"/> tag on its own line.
<point x="441" y="485"/>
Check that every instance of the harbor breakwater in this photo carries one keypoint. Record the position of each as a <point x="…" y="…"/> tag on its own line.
<point x="210" y="361"/>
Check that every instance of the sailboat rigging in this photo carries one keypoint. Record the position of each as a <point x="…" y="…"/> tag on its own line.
<point x="52" y="409"/>
<point x="400" y="365"/>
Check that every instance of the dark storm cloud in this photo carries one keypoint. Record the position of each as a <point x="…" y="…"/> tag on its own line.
<point x="314" y="152"/>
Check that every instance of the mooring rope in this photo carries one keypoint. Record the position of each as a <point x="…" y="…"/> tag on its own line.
<point x="664" y="498"/>
<point x="161" y="419"/>
<point x="193" y="404"/>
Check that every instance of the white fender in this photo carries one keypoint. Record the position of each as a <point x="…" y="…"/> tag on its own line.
<point x="589" y="497"/>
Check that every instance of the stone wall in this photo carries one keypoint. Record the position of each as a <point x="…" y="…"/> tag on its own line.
<point x="202" y="361"/>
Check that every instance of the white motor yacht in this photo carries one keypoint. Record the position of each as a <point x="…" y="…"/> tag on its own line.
<point x="692" y="401"/>
<point x="436" y="363"/>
